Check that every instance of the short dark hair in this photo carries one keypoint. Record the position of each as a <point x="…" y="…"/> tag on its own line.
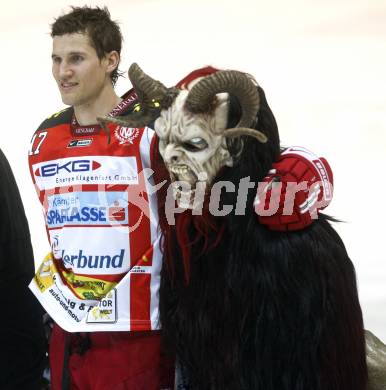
<point x="104" y="33"/>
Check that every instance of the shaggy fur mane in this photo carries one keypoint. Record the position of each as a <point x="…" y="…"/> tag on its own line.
<point x="261" y="310"/>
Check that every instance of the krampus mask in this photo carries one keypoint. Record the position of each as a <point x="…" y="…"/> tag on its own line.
<point x="192" y="125"/>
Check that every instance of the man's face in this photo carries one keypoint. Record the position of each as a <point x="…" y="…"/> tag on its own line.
<point x="79" y="73"/>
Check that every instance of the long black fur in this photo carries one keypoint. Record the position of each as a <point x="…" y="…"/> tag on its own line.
<point x="265" y="310"/>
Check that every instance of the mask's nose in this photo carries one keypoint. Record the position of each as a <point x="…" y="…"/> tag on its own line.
<point x="171" y="154"/>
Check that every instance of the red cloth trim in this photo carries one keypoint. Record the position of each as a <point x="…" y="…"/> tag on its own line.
<point x="115" y="360"/>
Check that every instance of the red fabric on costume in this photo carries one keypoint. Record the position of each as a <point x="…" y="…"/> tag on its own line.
<point x="208" y="234"/>
<point x="114" y="361"/>
<point x="195" y="74"/>
<point x="296" y="210"/>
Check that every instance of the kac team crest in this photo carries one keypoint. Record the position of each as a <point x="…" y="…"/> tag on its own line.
<point x="126" y="135"/>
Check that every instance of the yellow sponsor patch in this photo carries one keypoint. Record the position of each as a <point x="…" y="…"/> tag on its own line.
<point x="87" y="287"/>
<point x="43" y="276"/>
<point x="84" y="287"/>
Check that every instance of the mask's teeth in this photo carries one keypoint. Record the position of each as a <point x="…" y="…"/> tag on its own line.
<point x="179" y="170"/>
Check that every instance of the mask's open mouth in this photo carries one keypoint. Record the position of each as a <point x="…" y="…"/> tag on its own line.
<point x="181" y="172"/>
<point x="184" y="181"/>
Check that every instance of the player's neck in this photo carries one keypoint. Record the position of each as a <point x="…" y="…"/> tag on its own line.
<point x="86" y="114"/>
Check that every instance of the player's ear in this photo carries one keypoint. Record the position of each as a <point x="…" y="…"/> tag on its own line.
<point x="112" y="61"/>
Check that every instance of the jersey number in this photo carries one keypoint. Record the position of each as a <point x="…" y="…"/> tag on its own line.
<point x="36" y="149"/>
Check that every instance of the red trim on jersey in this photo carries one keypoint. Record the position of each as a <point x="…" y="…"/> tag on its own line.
<point x="140" y="312"/>
<point x="139" y="215"/>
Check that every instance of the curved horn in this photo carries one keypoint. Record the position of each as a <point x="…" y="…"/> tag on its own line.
<point x="239" y="131"/>
<point x="152" y="96"/>
<point x="144" y="85"/>
<point x="233" y="82"/>
<point x="150" y="92"/>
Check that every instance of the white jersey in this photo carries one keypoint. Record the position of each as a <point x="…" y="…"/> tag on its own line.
<point x="101" y="217"/>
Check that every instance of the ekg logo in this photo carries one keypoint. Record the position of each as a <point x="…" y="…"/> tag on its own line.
<point x="54" y="169"/>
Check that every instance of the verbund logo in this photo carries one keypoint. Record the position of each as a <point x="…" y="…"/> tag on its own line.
<point x="82" y="260"/>
<point x="69" y="167"/>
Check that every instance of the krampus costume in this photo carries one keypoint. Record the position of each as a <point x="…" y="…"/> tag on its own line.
<point x="242" y="306"/>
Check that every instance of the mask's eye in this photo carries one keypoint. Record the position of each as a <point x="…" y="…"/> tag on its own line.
<point x="195" y="144"/>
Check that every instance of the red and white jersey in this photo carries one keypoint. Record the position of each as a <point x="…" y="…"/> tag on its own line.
<point x="101" y="217"/>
